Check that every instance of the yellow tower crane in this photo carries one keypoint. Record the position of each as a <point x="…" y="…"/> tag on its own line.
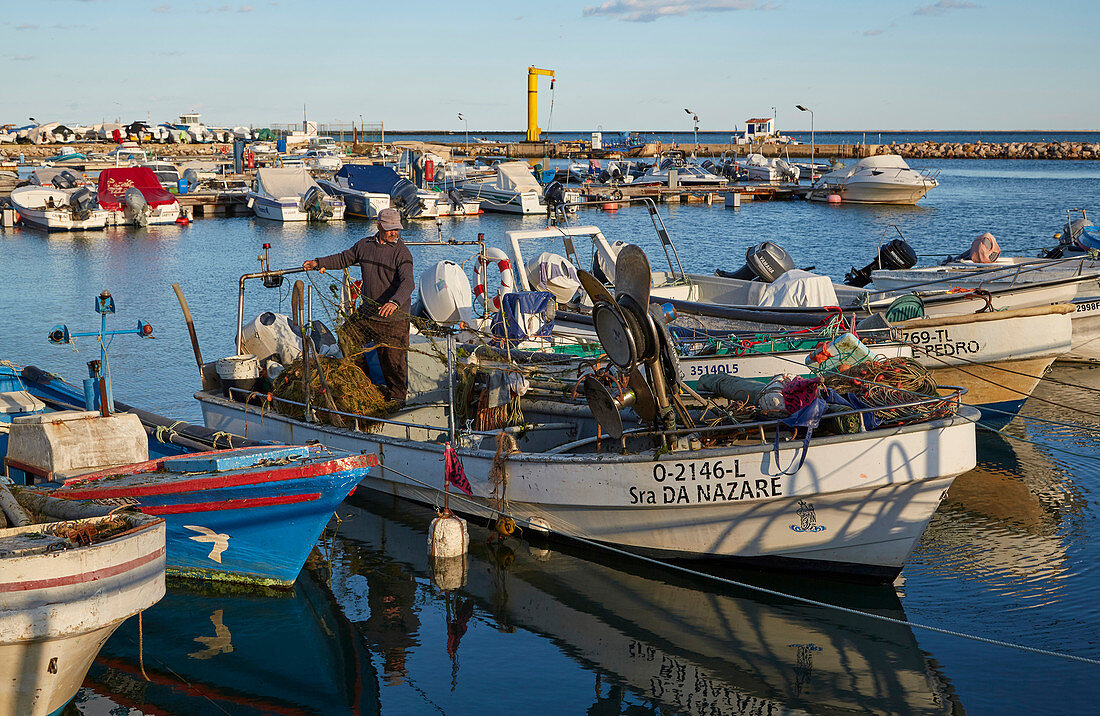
<point x="533" y="73"/>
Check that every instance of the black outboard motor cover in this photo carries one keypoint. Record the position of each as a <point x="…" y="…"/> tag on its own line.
<point x="554" y="194"/>
<point x="710" y="167"/>
<point x="405" y="199"/>
<point x="894" y="255"/>
<point x="765" y="262"/>
<point x="455" y="197"/>
<point x="64" y="180"/>
<point x="83" y="202"/>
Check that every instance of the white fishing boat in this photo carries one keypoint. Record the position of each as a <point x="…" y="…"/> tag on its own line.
<point x="851" y="503"/>
<point x="291" y="194"/>
<point x="881" y="179"/>
<point x="63" y="598"/>
<point x="321" y="160"/>
<point x="128" y="154"/>
<point x="55" y="209"/>
<point x="167" y="173"/>
<point x="513" y="190"/>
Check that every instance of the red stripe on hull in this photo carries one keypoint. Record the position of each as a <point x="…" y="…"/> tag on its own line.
<point x="184" y="484"/>
<point x="244" y="504"/>
<point x="112" y="571"/>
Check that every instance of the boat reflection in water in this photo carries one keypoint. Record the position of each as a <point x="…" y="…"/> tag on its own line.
<point x="212" y="648"/>
<point x="653" y="639"/>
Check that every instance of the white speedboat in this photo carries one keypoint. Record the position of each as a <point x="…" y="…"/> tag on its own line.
<point x="55" y="209"/>
<point x="63" y="599"/>
<point x="757" y="167"/>
<point x="134" y="195"/>
<point x="881" y="179"/>
<point x="512" y="190"/>
<point x="291" y="194"/>
<point x="676" y="165"/>
<point x="321" y="160"/>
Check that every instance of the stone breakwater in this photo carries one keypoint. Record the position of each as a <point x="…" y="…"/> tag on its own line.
<point x="983" y="150"/>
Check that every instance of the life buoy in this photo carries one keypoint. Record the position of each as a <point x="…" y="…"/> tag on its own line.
<point x="507" y="276"/>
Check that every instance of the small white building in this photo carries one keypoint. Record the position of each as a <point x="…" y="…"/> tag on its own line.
<point x="759" y="129"/>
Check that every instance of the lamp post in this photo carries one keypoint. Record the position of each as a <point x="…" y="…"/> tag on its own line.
<point x="467" y="132"/>
<point x="800" y="108"/>
<point x="774" y="117"/>
<point x="694" y="118"/>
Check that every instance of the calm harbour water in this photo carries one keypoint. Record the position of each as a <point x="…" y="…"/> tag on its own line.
<point x="1010" y="555"/>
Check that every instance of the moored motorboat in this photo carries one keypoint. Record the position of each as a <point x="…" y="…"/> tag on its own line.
<point x="513" y="190"/>
<point x="880" y="179"/>
<point x="56" y="209"/>
<point x="291" y="194"/>
<point x="134" y="195"/>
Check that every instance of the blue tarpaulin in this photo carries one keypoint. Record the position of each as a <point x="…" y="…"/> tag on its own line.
<point x="369" y="178"/>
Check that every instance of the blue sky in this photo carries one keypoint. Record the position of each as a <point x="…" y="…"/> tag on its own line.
<point x="621" y="64"/>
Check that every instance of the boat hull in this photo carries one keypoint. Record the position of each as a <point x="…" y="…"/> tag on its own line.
<point x="656" y="507"/>
<point x="872" y="193"/>
<point x="61" y="221"/>
<point x="59" y="607"/>
<point x="252" y="525"/>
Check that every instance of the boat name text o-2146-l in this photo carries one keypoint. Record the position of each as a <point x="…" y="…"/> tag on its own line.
<point x="713" y="490"/>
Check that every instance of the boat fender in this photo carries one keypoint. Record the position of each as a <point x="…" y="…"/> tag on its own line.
<point x="507" y="276"/>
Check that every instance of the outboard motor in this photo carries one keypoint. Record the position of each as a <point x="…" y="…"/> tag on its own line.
<point x="405" y="199"/>
<point x="765" y="262"/>
<point x="445" y="293"/>
<point x="894" y="255"/>
<point x="455" y="197"/>
<point x="192" y="178"/>
<point x="64" y="180"/>
<point x="83" y="202"/>
<point x="139" y="208"/>
<point x="313" y="203"/>
<point x="710" y="167"/>
<point x="983" y="250"/>
<point x="554" y="195"/>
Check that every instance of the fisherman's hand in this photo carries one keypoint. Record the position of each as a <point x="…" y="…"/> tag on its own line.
<point x="387" y="309"/>
<point x="309" y="264"/>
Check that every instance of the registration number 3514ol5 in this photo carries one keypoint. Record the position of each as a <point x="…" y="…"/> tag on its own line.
<point x="703" y="470"/>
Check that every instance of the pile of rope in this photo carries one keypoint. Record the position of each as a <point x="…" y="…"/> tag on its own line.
<point x="90" y="532"/>
<point x="349" y="388"/>
<point x="890" y="381"/>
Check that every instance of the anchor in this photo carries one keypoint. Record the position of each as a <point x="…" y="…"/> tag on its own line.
<point x="98" y="371"/>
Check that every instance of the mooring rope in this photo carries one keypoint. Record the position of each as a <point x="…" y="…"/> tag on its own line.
<point x="773" y="592"/>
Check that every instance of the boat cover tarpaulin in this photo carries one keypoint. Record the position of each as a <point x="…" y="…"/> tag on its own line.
<point x="372" y="179"/>
<point x="114" y="182"/>
<point x="284" y="182"/>
<point x="799" y="289"/>
<point x="517" y="177"/>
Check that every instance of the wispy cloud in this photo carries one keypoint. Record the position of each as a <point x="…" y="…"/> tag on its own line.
<point x="650" y="10"/>
<point x="943" y="6"/>
<point x="875" y="32"/>
<point x="22" y="58"/>
<point x="26" y="26"/>
<point x="245" y="8"/>
<point x="163" y="8"/>
<point x="770" y="5"/>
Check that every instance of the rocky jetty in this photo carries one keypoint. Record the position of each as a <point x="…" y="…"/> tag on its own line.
<point x="994" y="150"/>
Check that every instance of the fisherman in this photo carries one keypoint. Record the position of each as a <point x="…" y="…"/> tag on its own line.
<point x="387" y="269"/>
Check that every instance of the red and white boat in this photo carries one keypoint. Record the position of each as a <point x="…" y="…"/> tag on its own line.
<point x="64" y="589"/>
<point x="134" y="195"/>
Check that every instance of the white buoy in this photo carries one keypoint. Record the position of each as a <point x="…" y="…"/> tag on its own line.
<point x="448" y="537"/>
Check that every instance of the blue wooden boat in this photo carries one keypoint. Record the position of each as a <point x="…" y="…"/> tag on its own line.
<point x="246" y="514"/>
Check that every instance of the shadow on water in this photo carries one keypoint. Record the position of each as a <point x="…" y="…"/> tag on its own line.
<point x="225" y="649"/>
<point x="651" y="640"/>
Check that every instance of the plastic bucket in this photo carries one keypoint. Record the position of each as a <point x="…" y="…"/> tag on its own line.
<point x="239" y="371"/>
<point x="181" y="186"/>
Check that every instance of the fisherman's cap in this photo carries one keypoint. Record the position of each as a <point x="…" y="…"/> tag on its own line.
<point x="389" y="219"/>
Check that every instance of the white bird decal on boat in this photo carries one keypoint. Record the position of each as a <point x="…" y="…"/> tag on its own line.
<point x="221" y="542"/>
